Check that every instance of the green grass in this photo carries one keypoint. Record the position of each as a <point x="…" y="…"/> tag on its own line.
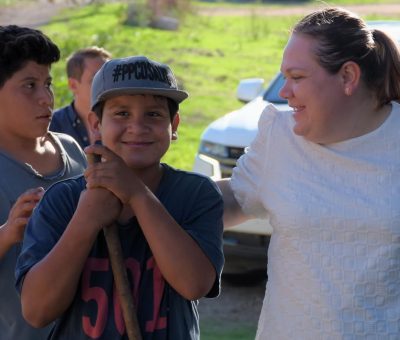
<point x="15" y="2"/>
<point x="215" y="331"/>
<point x="209" y="55"/>
<point x="207" y="63"/>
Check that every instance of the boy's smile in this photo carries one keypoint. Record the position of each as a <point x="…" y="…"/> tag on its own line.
<point x="138" y="128"/>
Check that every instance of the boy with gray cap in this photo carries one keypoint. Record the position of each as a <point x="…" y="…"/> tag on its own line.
<point x="169" y="221"/>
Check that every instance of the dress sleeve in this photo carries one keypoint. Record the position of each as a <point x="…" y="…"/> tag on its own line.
<point x="250" y="168"/>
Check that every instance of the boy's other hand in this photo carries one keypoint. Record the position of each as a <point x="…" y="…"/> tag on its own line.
<point x="20" y="213"/>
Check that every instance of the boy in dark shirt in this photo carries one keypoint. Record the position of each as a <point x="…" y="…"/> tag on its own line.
<point x="170" y="221"/>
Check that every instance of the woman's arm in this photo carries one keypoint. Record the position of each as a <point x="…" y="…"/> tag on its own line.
<point x="233" y="213"/>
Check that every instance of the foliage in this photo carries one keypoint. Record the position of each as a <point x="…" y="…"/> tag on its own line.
<point x="152" y="13"/>
<point x="138" y="14"/>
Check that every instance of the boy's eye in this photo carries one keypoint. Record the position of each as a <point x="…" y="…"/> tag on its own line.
<point x="154" y="114"/>
<point x="30" y="85"/>
<point x="122" y="113"/>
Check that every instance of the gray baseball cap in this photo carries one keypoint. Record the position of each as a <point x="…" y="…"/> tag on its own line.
<point x="135" y="75"/>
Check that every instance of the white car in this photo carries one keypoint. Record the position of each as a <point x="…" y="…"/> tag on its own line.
<point x="224" y="141"/>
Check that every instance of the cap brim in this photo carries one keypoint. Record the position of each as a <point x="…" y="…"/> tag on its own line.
<point x="177" y="95"/>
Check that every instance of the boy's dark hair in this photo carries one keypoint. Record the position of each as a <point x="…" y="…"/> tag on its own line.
<point x="76" y="61"/>
<point x="173" y="108"/>
<point x="18" y="45"/>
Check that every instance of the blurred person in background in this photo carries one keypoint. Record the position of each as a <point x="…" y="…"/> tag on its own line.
<point x="81" y="67"/>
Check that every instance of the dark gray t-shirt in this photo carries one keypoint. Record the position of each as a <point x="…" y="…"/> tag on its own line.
<point x="194" y="201"/>
<point x="15" y="179"/>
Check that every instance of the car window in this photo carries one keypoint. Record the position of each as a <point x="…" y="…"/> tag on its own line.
<point x="272" y="93"/>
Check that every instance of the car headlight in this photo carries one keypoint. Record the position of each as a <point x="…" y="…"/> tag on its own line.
<point x="213" y="149"/>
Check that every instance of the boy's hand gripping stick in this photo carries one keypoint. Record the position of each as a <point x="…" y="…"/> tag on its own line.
<point x="119" y="272"/>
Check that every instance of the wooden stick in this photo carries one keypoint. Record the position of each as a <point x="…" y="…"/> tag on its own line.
<point x="121" y="282"/>
<point x="119" y="272"/>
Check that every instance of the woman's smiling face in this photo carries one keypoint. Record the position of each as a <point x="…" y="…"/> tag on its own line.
<point x="313" y="93"/>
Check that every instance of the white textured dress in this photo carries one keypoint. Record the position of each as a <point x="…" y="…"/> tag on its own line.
<point x="334" y="256"/>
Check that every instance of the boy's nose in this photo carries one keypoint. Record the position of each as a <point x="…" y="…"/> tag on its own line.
<point x="46" y="97"/>
<point x="136" y="125"/>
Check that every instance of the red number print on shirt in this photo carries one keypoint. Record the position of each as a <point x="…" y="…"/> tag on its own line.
<point x="158" y="288"/>
<point x="99" y="296"/>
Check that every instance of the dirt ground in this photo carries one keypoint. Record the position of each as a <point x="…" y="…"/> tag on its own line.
<point x="31" y="14"/>
<point x="381" y="9"/>
<point x="238" y="306"/>
<point x="37" y="13"/>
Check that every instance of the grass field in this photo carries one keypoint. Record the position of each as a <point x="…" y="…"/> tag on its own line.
<point x="209" y="55"/>
<point x="208" y="64"/>
<point x="213" y="331"/>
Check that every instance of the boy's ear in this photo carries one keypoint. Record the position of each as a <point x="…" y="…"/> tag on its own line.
<point x="72" y="84"/>
<point x="174" y="124"/>
<point x="94" y="126"/>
